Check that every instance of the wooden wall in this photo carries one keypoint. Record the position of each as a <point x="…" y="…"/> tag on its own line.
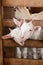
<point x="9" y="44"/>
<point x="30" y="3"/>
<point x="13" y="61"/>
<point x="7" y="22"/>
<point x="1" y="49"/>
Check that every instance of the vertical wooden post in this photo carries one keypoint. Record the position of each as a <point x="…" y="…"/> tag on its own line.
<point x="1" y="51"/>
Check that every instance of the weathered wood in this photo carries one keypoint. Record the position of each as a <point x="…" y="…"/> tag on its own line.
<point x="29" y="43"/>
<point x="0" y="22"/>
<point x="1" y="53"/>
<point x="12" y="61"/>
<point x="9" y="43"/>
<point x="9" y="52"/>
<point x="30" y="3"/>
<point x="10" y="23"/>
<point x="38" y="23"/>
<point x="1" y="50"/>
<point x="0" y="2"/>
<point x="8" y="12"/>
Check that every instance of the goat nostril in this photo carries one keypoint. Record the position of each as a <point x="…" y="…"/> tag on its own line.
<point x="30" y="30"/>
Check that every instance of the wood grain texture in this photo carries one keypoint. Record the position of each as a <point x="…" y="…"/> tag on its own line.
<point x="0" y="22"/>
<point x="30" y="3"/>
<point x="1" y="50"/>
<point x="29" y="43"/>
<point x="8" y="12"/>
<point x="9" y="52"/>
<point x="10" y="23"/>
<point x="1" y="53"/>
<point x="12" y="61"/>
<point x="0" y="2"/>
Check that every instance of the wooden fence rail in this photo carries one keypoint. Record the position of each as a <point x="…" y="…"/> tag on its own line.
<point x="30" y="3"/>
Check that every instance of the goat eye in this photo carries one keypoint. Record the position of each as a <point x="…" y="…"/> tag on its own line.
<point x="30" y="30"/>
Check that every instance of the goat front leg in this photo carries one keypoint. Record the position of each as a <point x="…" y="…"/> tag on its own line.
<point x="18" y="52"/>
<point x="25" y="53"/>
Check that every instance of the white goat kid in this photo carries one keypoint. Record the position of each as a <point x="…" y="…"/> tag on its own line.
<point x="21" y="33"/>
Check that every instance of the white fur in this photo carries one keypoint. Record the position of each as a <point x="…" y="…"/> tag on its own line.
<point x="21" y="52"/>
<point x="18" y="52"/>
<point x="22" y="13"/>
<point x="25" y="53"/>
<point x="34" y="53"/>
<point x="37" y="34"/>
<point x="37" y="16"/>
<point x="24" y="31"/>
<point x="42" y="52"/>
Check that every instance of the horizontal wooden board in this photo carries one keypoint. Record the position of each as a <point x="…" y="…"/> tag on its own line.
<point x="9" y="43"/>
<point x="29" y="43"/>
<point x="10" y="23"/>
<point x="12" y="61"/>
<point x="1" y="53"/>
<point x="38" y="23"/>
<point x="30" y="3"/>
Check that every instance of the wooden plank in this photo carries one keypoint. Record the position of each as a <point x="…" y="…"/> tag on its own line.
<point x="10" y="23"/>
<point x="38" y="23"/>
<point x="1" y="53"/>
<point x="9" y="52"/>
<point x="0" y="2"/>
<point x="8" y="12"/>
<point x="1" y="50"/>
<point x="29" y="43"/>
<point x="12" y="61"/>
<point x="30" y="3"/>
<point x="0" y="22"/>
<point x="9" y="43"/>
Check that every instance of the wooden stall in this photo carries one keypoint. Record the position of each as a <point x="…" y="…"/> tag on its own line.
<point x="8" y="14"/>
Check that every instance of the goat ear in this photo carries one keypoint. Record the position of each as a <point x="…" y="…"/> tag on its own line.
<point x="16" y="22"/>
<point x="10" y="29"/>
<point x="6" y="36"/>
<point x="37" y="28"/>
<point x="21" y="22"/>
